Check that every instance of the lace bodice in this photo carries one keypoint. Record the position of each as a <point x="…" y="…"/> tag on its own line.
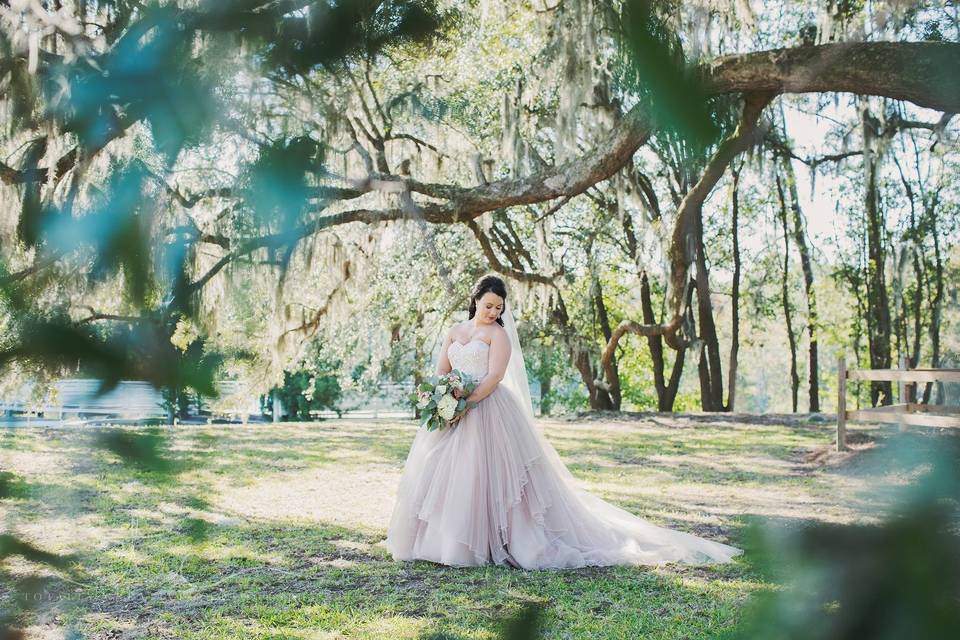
<point x="471" y="358"/>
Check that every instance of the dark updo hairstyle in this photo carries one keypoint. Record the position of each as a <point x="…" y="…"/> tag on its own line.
<point x="487" y="283"/>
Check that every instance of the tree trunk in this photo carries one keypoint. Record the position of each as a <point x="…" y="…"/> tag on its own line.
<point x="580" y="357"/>
<point x="878" y="303"/>
<point x="545" y="401"/>
<point x="600" y="400"/>
<point x="666" y="390"/>
<point x="806" y="264"/>
<point x="936" y="304"/>
<point x="785" y="296"/>
<point x="929" y="277"/>
<point x="276" y="405"/>
<point x="612" y="372"/>
<point x="711" y="373"/>
<point x="418" y="357"/>
<point x="911" y="306"/>
<point x="735" y="295"/>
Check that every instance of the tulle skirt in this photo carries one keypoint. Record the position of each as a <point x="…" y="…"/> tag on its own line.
<point x="493" y="490"/>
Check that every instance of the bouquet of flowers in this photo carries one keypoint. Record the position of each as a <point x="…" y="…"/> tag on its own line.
<point x="442" y="399"/>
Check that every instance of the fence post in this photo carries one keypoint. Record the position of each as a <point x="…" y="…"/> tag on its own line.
<point x="904" y="398"/>
<point x="842" y="403"/>
<point x="903" y="385"/>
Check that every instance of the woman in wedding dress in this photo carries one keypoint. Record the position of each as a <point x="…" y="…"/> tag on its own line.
<point x="492" y="489"/>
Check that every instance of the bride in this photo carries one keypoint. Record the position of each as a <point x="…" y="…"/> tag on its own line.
<point x="492" y="489"/>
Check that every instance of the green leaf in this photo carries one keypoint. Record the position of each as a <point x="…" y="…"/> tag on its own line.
<point x="653" y="65"/>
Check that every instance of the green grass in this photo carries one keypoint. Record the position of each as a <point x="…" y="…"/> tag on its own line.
<point x="271" y="531"/>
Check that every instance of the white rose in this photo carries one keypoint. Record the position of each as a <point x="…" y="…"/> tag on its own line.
<point x="447" y="407"/>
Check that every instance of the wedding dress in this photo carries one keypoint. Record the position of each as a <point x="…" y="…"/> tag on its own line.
<point x="492" y="489"/>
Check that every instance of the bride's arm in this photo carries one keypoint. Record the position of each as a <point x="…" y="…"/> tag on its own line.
<point x="499" y="357"/>
<point x="443" y="363"/>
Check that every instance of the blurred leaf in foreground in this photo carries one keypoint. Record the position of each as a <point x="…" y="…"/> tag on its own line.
<point x="652" y="65"/>
<point x="896" y="579"/>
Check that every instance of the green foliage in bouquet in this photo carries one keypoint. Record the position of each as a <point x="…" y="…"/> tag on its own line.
<point x="435" y="400"/>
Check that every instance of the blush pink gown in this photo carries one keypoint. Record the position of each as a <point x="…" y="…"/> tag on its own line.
<point x="493" y="490"/>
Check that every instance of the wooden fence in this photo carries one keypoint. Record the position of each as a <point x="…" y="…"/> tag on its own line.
<point x="906" y="412"/>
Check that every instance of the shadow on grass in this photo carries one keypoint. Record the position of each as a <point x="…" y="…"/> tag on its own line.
<point x="173" y="566"/>
<point x="274" y="579"/>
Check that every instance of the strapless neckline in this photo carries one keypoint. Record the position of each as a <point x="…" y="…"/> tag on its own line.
<point x="463" y="344"/>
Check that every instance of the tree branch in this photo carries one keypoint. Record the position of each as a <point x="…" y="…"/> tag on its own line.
<point x="498" y="266"/>
<point x="682" y="249"/>
<point x="96" y="315"/>
<point x="920" y="72"/>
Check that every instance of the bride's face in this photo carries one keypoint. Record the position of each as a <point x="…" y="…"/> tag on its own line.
<point x="489" y="307"/>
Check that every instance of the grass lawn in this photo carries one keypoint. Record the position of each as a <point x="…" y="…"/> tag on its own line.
<point x="271" y="531"/>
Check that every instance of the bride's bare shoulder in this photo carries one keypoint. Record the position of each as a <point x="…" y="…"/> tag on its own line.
<point x="498" y="331"/>
<point x="456" y="330"/>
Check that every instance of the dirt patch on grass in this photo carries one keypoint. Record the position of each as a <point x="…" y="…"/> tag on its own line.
<point x="34" y="463"/>
<point x="688" y="420"/>
<point x="349" y="496"/>
<point x="65" y="534"/>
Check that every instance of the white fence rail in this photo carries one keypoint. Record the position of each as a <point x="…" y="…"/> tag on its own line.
<point x="76" y="399"/>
